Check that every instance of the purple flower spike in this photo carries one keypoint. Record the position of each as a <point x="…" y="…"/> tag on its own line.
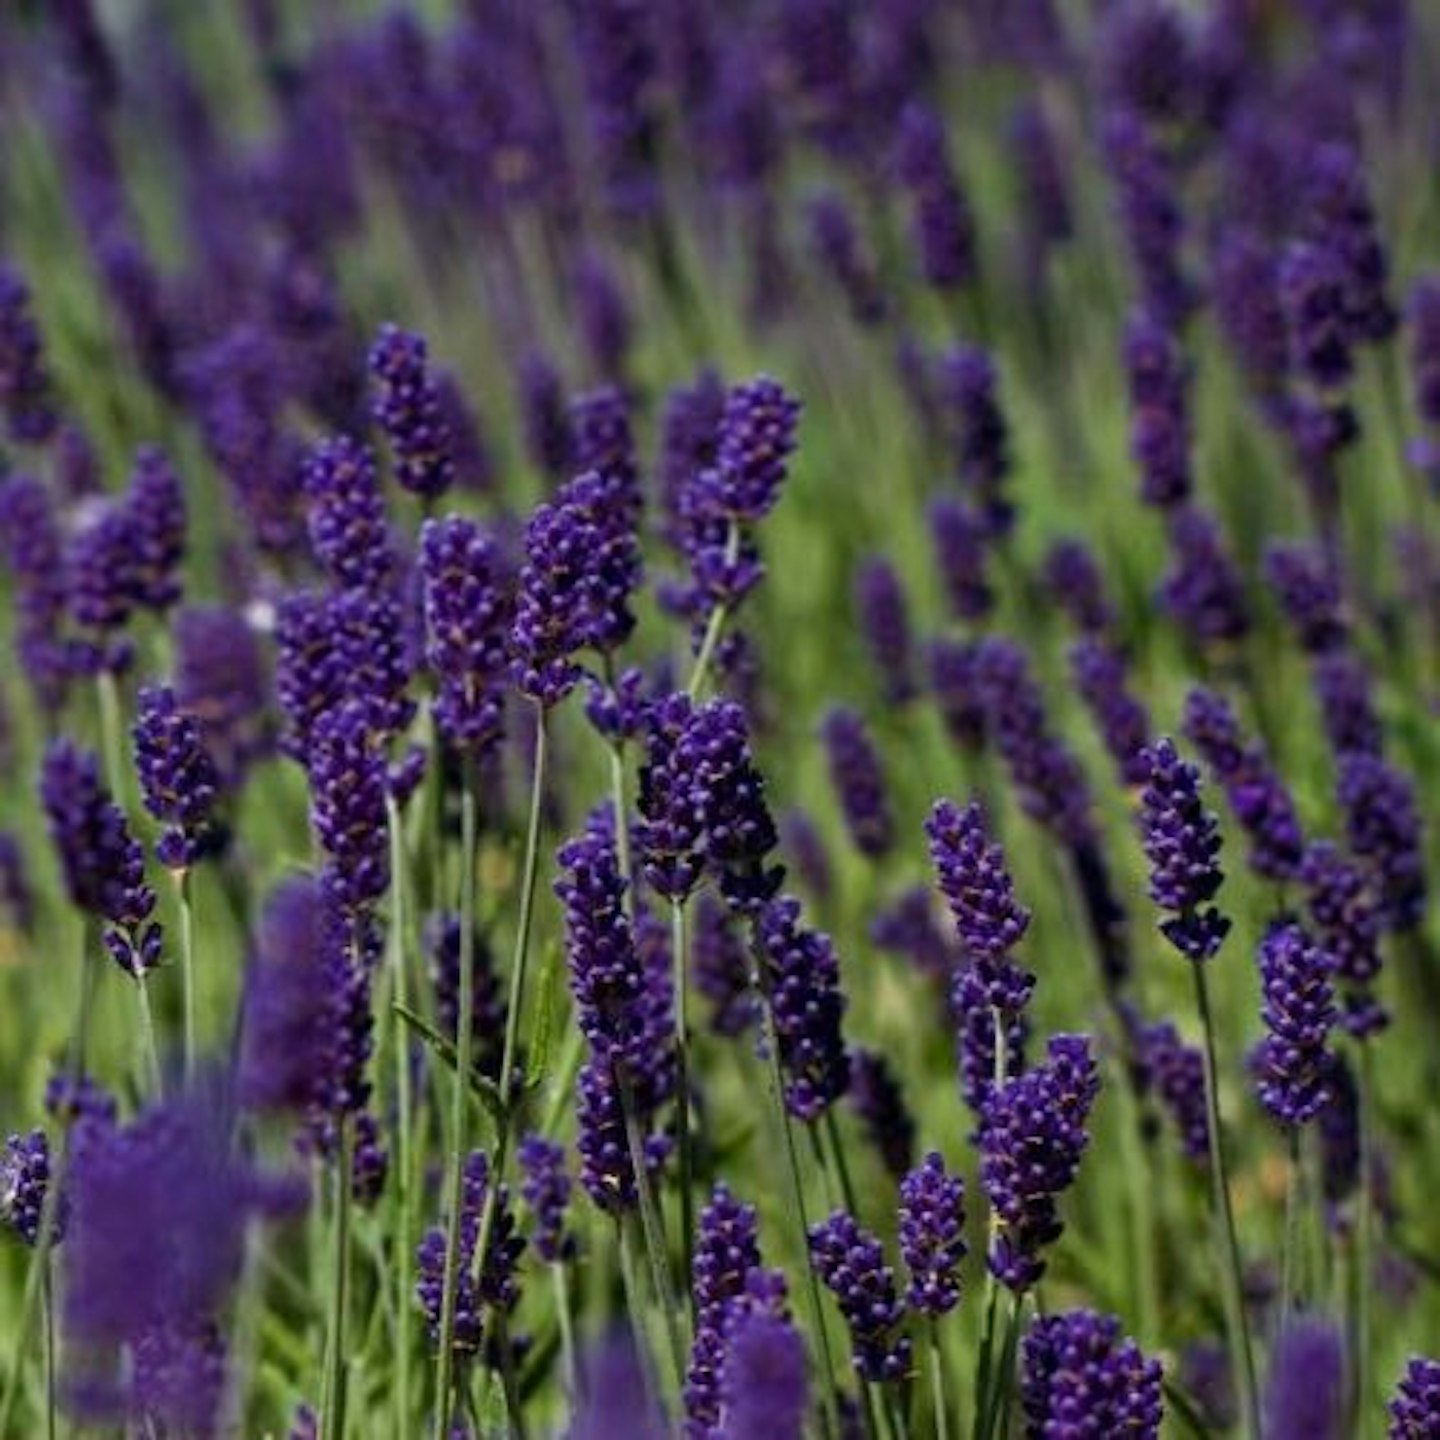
<point x="885" y="624"/>
<point x="178" y="779"/>
<point x="959" y="538"/>
<point x="840" y="250"/>
<point x="1415" y="1408"/>
<point x="1159" y="412"/>
<point x="1382" y="825"/>
<point x="156" y="503"/>
<point x="756" y="439"/>
<point x="347" y="791"/>
<point x="932" y="1236"/>
<point x="1176" y="1071"/>
<point x="31" y="543"/>
<point x="671" y="830"/>
<point x="979" y="436"/>
<point x="877" y="1100"/>
<point x="1072" y="576"/>
<point x="1203" y="590"/>
<point x="851" y="1264"/>
<point x="1032" y="1138"/>
<point x="1100" y="676"/>
<point x="1294" y="1060"/>
<point x="547" y="1192"/>
<point x="800" y="973"/>
<point x="859" y="782"/>
<point x="974" y="1015"/>
<point x="24" y="1183"/>
<point x="407" y="408"/>
<point x="466" y="613"/>
<point x="440" y="941"/>
<point x="1182" y="842"/>
<point x="764" y="1388"/>
<point x="1347" y="921"/>
<point x="103" y="568"/>
<point x="545" y="417"/>
<point x="953" y="667"/>
<point x="1079" y="1376"/>
<point x="941" y="224"/>
<point x="1307" y="586"/>
<point x="1305" y="1393"/>
<point x="348" y="529"/>
<point x="102" y="863"/>
<point x="24" y="381"/>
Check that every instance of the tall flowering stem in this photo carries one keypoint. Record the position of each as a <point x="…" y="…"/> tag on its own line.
<point x="332" y="1416"/>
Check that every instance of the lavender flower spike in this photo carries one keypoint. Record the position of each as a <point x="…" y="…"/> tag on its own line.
<point x="851" y="1264"/>
<point x="178" y="779"/>
<point x="1079" y="1376"/>
<point x="932" y="1236"/>
<point x="859" y="782"/>
<point x="1415" y="1408"/>
<point x="1294" y="1060"/>
<point x="408" y="409"/>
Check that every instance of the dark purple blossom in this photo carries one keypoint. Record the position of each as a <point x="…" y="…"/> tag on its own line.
<point x="1344" y="911"/>
<point x="406" y="406"/>
<point x="347" y="805"/>
<point x="440" y="943"/>
<point x="309" y="676"/>
<point x="884" y="621"/>
<point x="546" y="1190"/>
<point x="1382" y="826"/>
<point x="851" y="1264"/>
<point x="1203" y="591"/>
<point x="1312" y="294"/>
<point x="720" y="966"/>
<point x="1343" y="687"/>
<point x="1073" y="579"/>
<point x="1159" y="411"/>
<point x="840" y="251"/>
<point x="1306" y="1390"/>
<point x="859" y="782"/>
<point x="1307" y="585"/>
<point x="942" y="230"/>
<point x="178" y="779"/>
<point x="102" y="566"/>
<point x="975" y="1020"/>
<point x="24" y="1183"/>
<point x="349" y="532"/>
<point x="954" y="683"/>
<point x="221" y="679"/>
<point x="804" y="848"/>
<point x="606" y="325"/>
<point x="1176" y="1073"/>
<point x="959" y="538"/>
<point x="1294" y="1060"/>
<point x="1079" y="1376"/>
<point x="24" y="379"/>
<point x="1031" y="1142"/>
<point x="764" y="1387"/>
<point x="932" y="1236"/>
<point x="1099" y="671"/>
<point x="545" y="417"/>
<point x="31" y="543"/>
<point x="967" y="388"/>
<point x="878" y="1101"/>
<point x="912" y="927"/>
<point x="1415" y="1407"/>
<point x="156" y="505"/>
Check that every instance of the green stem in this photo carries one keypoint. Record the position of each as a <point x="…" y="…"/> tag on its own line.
<point x="984" y="1395"/>
<point x="937" y="1383"/>
<point x="679" y="959"/>
<point x="635" y="1305"/>
<point x="1005" y="1375"/>
<point x="47" y="1305"/>
<point x="459" y="1111"/>
<point x="1290" y="1254"/>
<point x="107" y="697"/>
<point x="1242" y="1357"/>
<point x="653" y="1234"/>
<point x="567" y="1333"/>
<point x="514" y="1408"/>
<point x="842" y="1167"/>
<point x="505" y="1124"/>
<point x="185" y="902"/>
<point x="151" y="1053"/>
<point x="715" y="625"/>
<point x="404" y="1256"/>
<point x="1364" y="1234"/>
<point x="332" y="1422"/>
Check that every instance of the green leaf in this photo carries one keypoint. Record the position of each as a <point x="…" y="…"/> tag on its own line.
<point x="484" y="1088"/>
<point x="537" y="1065"/>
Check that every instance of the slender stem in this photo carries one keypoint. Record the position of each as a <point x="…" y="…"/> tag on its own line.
<point x="459" y="1110"/>
<point x="1365" y="1232"/>
<point x="680" y="963"/>
<point x="985" y="1366"/>
<point x="937" y="1383"/>
<point x="151" y="1053"/>
<point x="514" y="1408"/>
<point x="715" y="626"/>
<point x="842" y="1167"/>
<point x="797" y="1190"/>
<point x="186" y="903"/>
<point x="1289" y="1255"/>
<point x="635" y="1305"/>
<point x="506" y="1122"/>
<point x="653" y="1233"/>
<point x="111" y="742"/>
<point x="1005" y="1375"/>
<point x="47" y="1305"/>
<point x="1242" y="1357"/>
<point x="567" y="1332"/>
<point x="404" y="1256"/>
<point x="332" y="1422"/>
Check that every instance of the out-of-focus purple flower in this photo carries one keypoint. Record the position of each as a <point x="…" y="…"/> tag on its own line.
<point x="932" y="1236"/>
<point x="1307" y="586"/>
<point x="17" y="900"/>
<point x="24" y="379"/>
<point x="1205" y="1372"/>
<point x="102" y="565"/>
<point x="488" y="1283"/>
<point x="617" y="1403"/>
<point x="1147" y="204"/>
<point x="620" y="711"/>
<point x="475" y="464"/>
<point x="156" y="505"/>
<point x="764" y="1388"/>
<point x="347" y="805"/>
<point x="1176" y="1072"/>
<point x="1347" y="921"/>
<point x="349" y="532"/>
<point x="959" y="536"/>
<point x="221" y="679"/>
<point x="407" y="408"/>
<point x="466" y="610"/>
<point x="1244" y="284"/>
<point x="1259" y="797"/>
<point x="1074" y="581"/>
<point x="603" y="313"/>
<point x="1382" y="825"/>
<point x="1079" y="1375"/>
<point x="374" y="649"/>
<point x="1047" y="777"/>
<point x="1099" y="673"/>
<point x="440" y="942"/>
<point x="178" y="779"/>
<point x="689" y="434"/>
<point x="78" y="1100"/>
<point x="369" y="1162"/>
<point x="1424" y="316"/>
<point x="1031" y="1141"/>
<point x="1338" y="1125"/>
<point x="967" y="389"/>
<point x="1415" y="1406"/>
<point x="851" y="1264"/>
<point x="670" y="835"/>
<point x="1044" y="186"/>
<point x="1294" y="1059"/>
<point x="756" y="439"/>
<point x="910" y="926"/>
<point x="885" y="623"/>
<point x="720" y="967"/>
<point x="1203" y="590"/>
<point x="1147" y="67"/>
<point x="1159" y="411"/>
<point x="24" y="1183"/>
<point x="546" y="1191"/>
<point x="545" y="417"/>
<point x="974" y="1019"/>
<point x="942" y="230"/>
<point x="77" y="467"/>
<point x="859" y="782"/>
<point x="34" y="553"/>
<point x="1342" y="685"/>
<point x="1305" y="1393"/>
<point x="102" y="863"/>
<point x="1312" y="295"/>
<point x="954" y="682"/>
<point x="800" y="977"/>
<point x="877" y="1100"/>
<point x="840" y="251"/>
<point x="804" y="848"/>
<point x="1182" y="842"/>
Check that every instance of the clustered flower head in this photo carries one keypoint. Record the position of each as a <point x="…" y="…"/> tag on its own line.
<point x="178" y="779"/>
<point x="932" y="1236"/>
<point x="1294" y="1060"/>
<point x="851" y="1263"/>
<point x="859" y="781"/>
<point x="1415" y="1408"/>
<point x="1080" y="1376"/>
<point x="407" y="408"/>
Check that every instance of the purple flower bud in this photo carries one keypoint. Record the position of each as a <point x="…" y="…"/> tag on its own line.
<point x="720" y="967"/>
<point x="1294" y="1059"/>
<point x="959" y="537"/>
<point x="545" y="417"/>
<point x="156" y="504"/>
<point x="406" y="406"/>
<point x="1031" y="1142"/>
<point x="33" y="550"/>
<point x="347" y="805"/>
<point x="1343" y="687"/>
<point x="967" y="389"/>
<point x="756" y="439"/>
<point x="24" y="380"/>
<point x="1347" y="921"/>
<point x="954" y="682"/>
<point x="1073" y="579"/>
<point x="1415" y="1408"/>
<point x="466" y="613"/>
<point x="1203" y="591"/>
<point x="800" y="976"/>
<point x="603" y="313"/>
<point x="17" y="900"/>
<point x="1099" y="672"/>
<point x="1182" y="842"/>
<point x="178" y="779"/>
<point x="221" y="679"/>
<point x="877" y="1100"/>
<point x="804" y="847"/>
<point x="851" y="1264"/>
<point x="839" y="251"/>
<point x="911" y="928"/>
<point x="885" y="624"/>
<point x="1044" y="186"/>
<point x="1176" y="1071"/>
<point x="24" y="1183"/>
<point x="1159" y="411"/>
<point x="103" y="566"/>
<point x="1079" y="1375"/>
<point x="1305" y="1393"/>
<point x="859" y="782"/>
<point x="1383" y="827"/>
<point x="932" y="1236"/>
<point x="1245" y="292"/>
<point x="440" y="942"/>
<point x="974" y="1012"/>
<point x="943" y="232"/>
<point x="1312" y="295"/>
<point x="547" y="1193"/>
<point x="348" y="528"/>
<point x="1307" y="586"/>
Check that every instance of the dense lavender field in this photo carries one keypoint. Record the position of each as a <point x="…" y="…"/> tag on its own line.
<point x="720" y="719"/>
